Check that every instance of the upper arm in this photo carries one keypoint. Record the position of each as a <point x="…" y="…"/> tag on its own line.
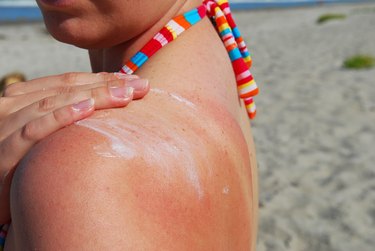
<point x="63" y="195"/>
<point x="171" y="192"/>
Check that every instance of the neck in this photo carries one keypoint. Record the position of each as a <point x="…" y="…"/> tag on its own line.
<point x="195" y="66"/>
<point x="112" y="59"/>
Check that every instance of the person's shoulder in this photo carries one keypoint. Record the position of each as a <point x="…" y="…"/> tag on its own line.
<point x="159" y="172"/>
<point x="150" y="142"/>
<point x="153" y="133"/>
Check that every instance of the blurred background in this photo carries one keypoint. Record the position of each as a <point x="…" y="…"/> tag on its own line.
<point x="315" y="129"/>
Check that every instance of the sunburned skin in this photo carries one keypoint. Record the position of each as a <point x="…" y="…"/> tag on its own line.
<point x="174" y="96"/>
<point x="124" y="143"/>
<point x="126" y="140"/>
<point x="169" y="172"/>
<point x="174" y="166"/>
<point x="121" y="137"/>
<point x="174" y="178"/>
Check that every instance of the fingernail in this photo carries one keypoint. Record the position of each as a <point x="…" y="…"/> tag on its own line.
<point x="138" y="84"/>
<point x="125" y="76"/>
<point x="121" y="92"/>
<point x="84" y="105"/>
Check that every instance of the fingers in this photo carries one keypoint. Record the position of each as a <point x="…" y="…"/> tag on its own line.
<point x="114" y="94"/>
<point x="15" y="146"/>
<point x="140" y="86"/>
<point x="63" y="80"/>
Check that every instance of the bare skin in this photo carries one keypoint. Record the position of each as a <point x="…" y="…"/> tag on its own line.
<point x="175" y="171"/>
<point x="30" y="111"/>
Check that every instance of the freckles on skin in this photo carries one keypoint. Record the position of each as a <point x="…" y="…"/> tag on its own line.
<point x="169" y="188"/>
<point x="184" y="177"/>
<point x="166" y="149"/>
<point x="130" y="141"/>
<point x="171" y="203"/>
<point x="116" y="147"/>
<point x="154" y="141"/>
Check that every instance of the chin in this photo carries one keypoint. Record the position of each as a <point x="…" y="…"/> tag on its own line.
<point x="78" y="40"/>
<point x="75" y="32"/>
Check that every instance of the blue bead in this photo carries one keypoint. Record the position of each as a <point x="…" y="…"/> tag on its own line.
<point x="139" y="59"/>
<point x="192" y="16"/>
<point x="235" y="54"/>
<point x="236" y="32"/>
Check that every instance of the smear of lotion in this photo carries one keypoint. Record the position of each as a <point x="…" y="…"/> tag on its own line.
<point x="226" y="190"/>
<point x="174" y="96"/>
<point x="155" y="150"/>
<point x="127" y="140"/>
<point x="118" y="146"/>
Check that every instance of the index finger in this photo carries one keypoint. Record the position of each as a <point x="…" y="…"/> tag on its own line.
<point x="66" y="79"/>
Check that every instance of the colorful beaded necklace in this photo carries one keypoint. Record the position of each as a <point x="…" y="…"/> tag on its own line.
<point x="221" y="17"/>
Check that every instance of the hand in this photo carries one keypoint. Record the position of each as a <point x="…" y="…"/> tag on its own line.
<point x="32" y="110"/>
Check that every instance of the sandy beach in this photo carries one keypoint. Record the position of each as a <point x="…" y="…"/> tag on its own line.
<point x="315" y="129"/>
<point x="315" y="132"/>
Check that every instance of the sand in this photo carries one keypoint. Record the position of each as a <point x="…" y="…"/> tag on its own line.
<point x="315" y="132"/>
<point x="315" y="129"/>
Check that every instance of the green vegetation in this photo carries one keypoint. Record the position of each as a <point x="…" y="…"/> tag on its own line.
<point x="359" y="62"/>
<point x="330" y="16"/>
